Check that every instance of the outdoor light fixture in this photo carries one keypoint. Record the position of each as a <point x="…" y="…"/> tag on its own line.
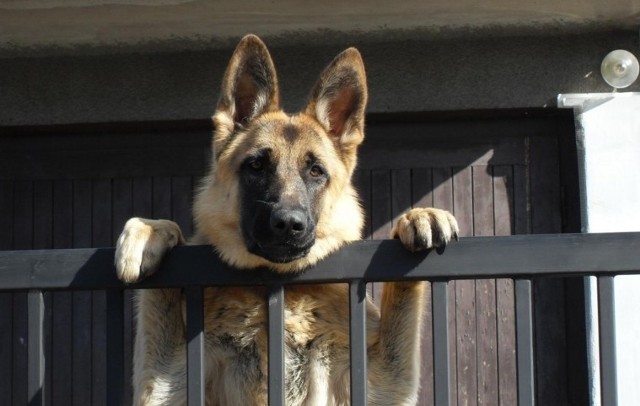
<point x="619" y="68"/>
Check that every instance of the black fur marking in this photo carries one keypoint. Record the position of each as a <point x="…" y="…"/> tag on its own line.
<point x="276" y="227"/>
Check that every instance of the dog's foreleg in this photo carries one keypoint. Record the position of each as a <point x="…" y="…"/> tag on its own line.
<point x="394" y="359"/>
<point x="397" y="351"/>
<point x="159" y="367"/>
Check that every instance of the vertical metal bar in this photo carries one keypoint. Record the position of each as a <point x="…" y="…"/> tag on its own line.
<point x="358" y="341"/>
<point x="524" y="342"/>
<point x="607" y="321"/>
<point x="276" y="345"/>
<point x="115" y="347"/>
<point x="195" y="346"/>
<point x="441" y="373"/>
<point x="35" y="371"/>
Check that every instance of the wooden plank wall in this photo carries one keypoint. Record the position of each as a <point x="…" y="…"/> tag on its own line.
<point x="498" y="176"/>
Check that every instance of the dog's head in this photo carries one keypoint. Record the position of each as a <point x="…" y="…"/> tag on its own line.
<point x="279" y="192"/>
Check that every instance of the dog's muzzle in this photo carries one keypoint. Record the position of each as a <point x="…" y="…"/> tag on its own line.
<point x="282" y="234"/>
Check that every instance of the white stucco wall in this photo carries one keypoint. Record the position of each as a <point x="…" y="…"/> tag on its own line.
<point x="609" y="150"/>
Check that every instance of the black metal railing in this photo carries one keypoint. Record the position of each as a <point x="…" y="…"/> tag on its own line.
<point x="519" y="257"/>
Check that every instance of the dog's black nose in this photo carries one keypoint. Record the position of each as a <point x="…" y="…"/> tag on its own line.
<point x="288" y="222"/>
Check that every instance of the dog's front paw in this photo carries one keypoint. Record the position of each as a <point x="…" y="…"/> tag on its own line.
<point x="425" y="228"/>
<point x="142" y="245"/>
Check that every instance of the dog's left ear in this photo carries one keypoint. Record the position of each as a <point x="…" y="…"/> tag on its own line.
<point x="339" y="98"/>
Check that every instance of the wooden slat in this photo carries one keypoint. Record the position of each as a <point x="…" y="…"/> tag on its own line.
<point x="503" y="204"/>
<point x="466" y="345"/>
<point x="143" y="197"/>
<point x="101" y="203"/>
<point x="506" y="341"/>
<point x="82" y="366"/>
<point x="43" y="210"/>
<point x="6" y="348"/>
<point x="486" y="323"/>
<point x="122" y="196"/>
<point x="521" y="201"/>
<point x="487" y="342"/>
<point x="6" y="214"/>
<point x="463" y="200"/>
<point x="362" y="183"/>
<point x="381" y="216"/>
<point x="181" y="201"/>
<point x="453" y="342"/>
<point x="115" y="361"/>
<point x="19" y="349"/>
<point x="61" y="359"/>
<point x="442" y="188"/>
<point x="381" y="204"/>
<point x="503" y="192"/>
<point x="6" y="299"/>
<point x="63" y="214"/>
<point x="483" y="211"/>
<point x="463" y="210"/>
<point x="23" y="215"/>
<point x="62" y="302"/>
<point x="22" y="239"/>
<point x="400" y="193"/>
<point x="161" y="197"/>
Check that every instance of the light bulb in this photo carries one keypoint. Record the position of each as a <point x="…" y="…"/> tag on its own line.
<point x="620" y="68"/>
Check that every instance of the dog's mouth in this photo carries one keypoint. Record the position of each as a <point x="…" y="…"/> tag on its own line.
<point x="280" y="253"/>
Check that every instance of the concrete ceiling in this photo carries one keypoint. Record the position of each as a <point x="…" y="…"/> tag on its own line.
<point x="68" y="24"/>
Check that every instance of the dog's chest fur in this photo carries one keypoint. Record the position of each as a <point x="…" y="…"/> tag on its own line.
<point x="316" y="342"/>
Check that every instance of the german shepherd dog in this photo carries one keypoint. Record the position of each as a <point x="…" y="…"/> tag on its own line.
<point x="279" y="195"/>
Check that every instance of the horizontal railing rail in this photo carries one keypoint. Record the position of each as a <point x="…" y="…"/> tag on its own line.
<point x="192" y="268"/>
<point x="385" y="260"/>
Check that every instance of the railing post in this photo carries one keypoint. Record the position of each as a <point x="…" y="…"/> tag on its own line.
<point x="358" y="341"/>
<point x="607" y="323"/>
<point x="35" y="371"/>
<point x="276" y="345"/>
<point x="195" y="346"/>
<point x="441" y="373"/>
<point x="524" y="340"/>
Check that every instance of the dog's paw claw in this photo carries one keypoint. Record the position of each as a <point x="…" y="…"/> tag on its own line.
<point x="426" y="228"/>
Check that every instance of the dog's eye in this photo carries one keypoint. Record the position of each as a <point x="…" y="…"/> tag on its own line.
<point x="316" y="171"/>
<point x="256" y="164"/>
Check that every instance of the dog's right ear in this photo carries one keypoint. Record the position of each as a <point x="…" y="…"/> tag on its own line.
<point x="249" y="88"/>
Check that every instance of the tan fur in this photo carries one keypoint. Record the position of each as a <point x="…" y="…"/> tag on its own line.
<point x="248" y="118"/>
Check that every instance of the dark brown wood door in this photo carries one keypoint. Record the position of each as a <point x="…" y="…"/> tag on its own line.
<point x="500" y="175"/>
